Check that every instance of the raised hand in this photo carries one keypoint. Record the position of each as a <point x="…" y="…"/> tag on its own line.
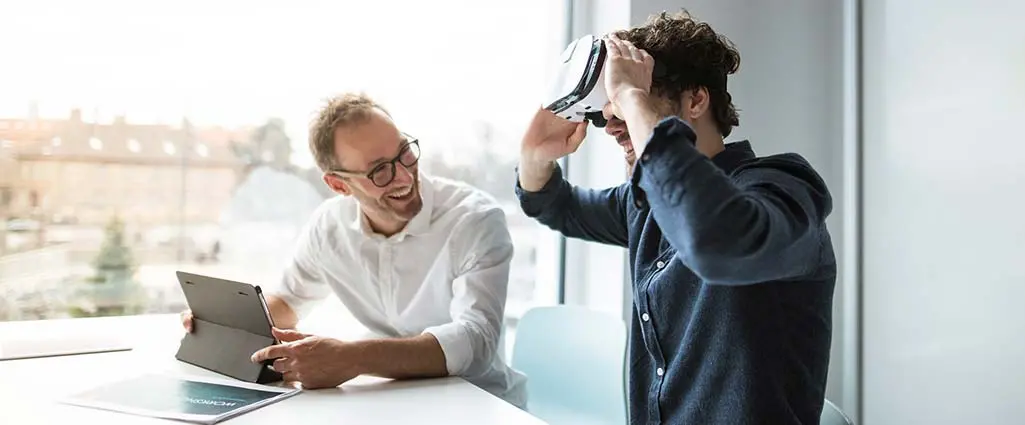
<point x="627" y="69"/>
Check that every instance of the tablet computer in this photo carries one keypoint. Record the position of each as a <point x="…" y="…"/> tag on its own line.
<point x="230" y="322"/>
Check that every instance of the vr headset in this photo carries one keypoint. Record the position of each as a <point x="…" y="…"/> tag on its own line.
<point x="578" y="92"/>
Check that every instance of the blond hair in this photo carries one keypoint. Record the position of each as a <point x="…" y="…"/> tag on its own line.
<point x="338" y="111"/>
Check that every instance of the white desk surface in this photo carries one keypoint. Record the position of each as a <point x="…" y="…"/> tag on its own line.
<point x="29" y="389"/>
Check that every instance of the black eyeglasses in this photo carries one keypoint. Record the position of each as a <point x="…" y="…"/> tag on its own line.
<point x="383" y="174"/>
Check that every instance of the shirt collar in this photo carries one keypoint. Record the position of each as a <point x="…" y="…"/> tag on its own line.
<point x="736" y="153"/>
<point x="420" y="223"/>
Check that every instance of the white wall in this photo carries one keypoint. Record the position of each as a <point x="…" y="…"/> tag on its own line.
<point x="944" y="212"/>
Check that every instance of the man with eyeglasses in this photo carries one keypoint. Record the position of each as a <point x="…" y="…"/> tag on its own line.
<point x="422" y="261"/>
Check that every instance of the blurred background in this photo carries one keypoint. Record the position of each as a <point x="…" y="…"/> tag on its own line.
<point x="139" y="139"/>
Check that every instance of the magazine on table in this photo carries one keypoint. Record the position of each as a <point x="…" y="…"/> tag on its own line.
<point x="185" y="399"/>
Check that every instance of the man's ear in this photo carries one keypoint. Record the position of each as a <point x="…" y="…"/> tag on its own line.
<point x="337" y="184"/>
<point x="695" y="103"/>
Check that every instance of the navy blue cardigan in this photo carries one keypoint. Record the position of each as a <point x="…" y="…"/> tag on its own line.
<point x="733" y="274"/>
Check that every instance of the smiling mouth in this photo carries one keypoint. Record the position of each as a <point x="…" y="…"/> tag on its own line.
<point x="402" y="196"/>
<point x="628" y="148"/>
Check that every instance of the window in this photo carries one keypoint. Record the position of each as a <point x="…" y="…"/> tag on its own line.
<point x="178" y="142"/>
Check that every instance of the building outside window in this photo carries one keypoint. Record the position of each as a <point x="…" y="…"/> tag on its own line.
<point x="155" y="139"/>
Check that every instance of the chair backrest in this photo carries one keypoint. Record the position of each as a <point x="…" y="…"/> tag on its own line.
<point x="575" y="360"/>
<point x="832" y="415"/>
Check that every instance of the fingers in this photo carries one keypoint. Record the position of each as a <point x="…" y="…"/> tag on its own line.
<point x="638" y="54"/>
<point x="630" y="50"/>
<point x="287" y="335"/>
<point x="646" y="58"/>
<point x="283" y="365"/>
<point x="550" y="121"/>
<point x="633" y="52"/>
<point x="544" y="116"/>
<point x="271" y="352"/>
<point x="578" y="135"/>
<point x="186" y="318"/>
<point x="613" y="47"/>
<point x="287" y="368"/>
<point x="624" y="48"/>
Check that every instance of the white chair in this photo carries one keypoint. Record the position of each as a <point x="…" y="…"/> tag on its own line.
<point x="574" y="359"/>
<point x="832" y="415"/>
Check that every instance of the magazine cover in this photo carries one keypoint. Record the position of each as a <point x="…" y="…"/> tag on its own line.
<point x="190" y="400"/>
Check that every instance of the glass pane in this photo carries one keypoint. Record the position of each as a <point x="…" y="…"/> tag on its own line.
<point x="157" y="139"/>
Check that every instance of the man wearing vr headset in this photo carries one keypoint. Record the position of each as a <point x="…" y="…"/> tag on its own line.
<point x="423" y="262"/>
<point x="733" y="268"/>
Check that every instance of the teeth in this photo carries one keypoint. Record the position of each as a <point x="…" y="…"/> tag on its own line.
<point x="403" y="194"/>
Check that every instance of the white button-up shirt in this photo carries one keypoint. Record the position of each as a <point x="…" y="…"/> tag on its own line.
<point x="446" y="274"/>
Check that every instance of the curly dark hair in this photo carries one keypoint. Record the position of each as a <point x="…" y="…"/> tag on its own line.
<point x="689" y="54"/>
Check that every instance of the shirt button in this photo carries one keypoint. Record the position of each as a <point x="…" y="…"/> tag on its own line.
<point x="660" y="371"/>
<point x="645" y="317"/>
<point x="660" y="264"/>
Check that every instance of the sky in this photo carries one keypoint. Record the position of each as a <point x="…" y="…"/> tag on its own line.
<point x="236" y="63"/>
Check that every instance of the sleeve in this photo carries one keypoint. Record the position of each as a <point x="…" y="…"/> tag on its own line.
<point x="588" y="214"/>
<point x="763" y="224"/>
<point x="470" y="341"/>
<point x="302" y="284"/>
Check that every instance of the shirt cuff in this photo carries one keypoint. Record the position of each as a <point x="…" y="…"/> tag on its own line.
<point x="670" y="148"/>
<point x="534" y="203"/>
<point x="454" y="341"/>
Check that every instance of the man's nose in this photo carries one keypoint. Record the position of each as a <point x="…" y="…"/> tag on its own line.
<point x="606" y="111"/>
<point x="403" y="174"/>
<point x="615" y="127"/>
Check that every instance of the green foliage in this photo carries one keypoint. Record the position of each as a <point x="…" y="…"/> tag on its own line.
<point x="115" y="256"/>
<point x="112" y="289"/>
<point x="79" y="312"/>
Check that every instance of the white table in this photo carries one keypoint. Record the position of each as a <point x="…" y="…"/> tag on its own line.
<point x="29" y="389"/>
